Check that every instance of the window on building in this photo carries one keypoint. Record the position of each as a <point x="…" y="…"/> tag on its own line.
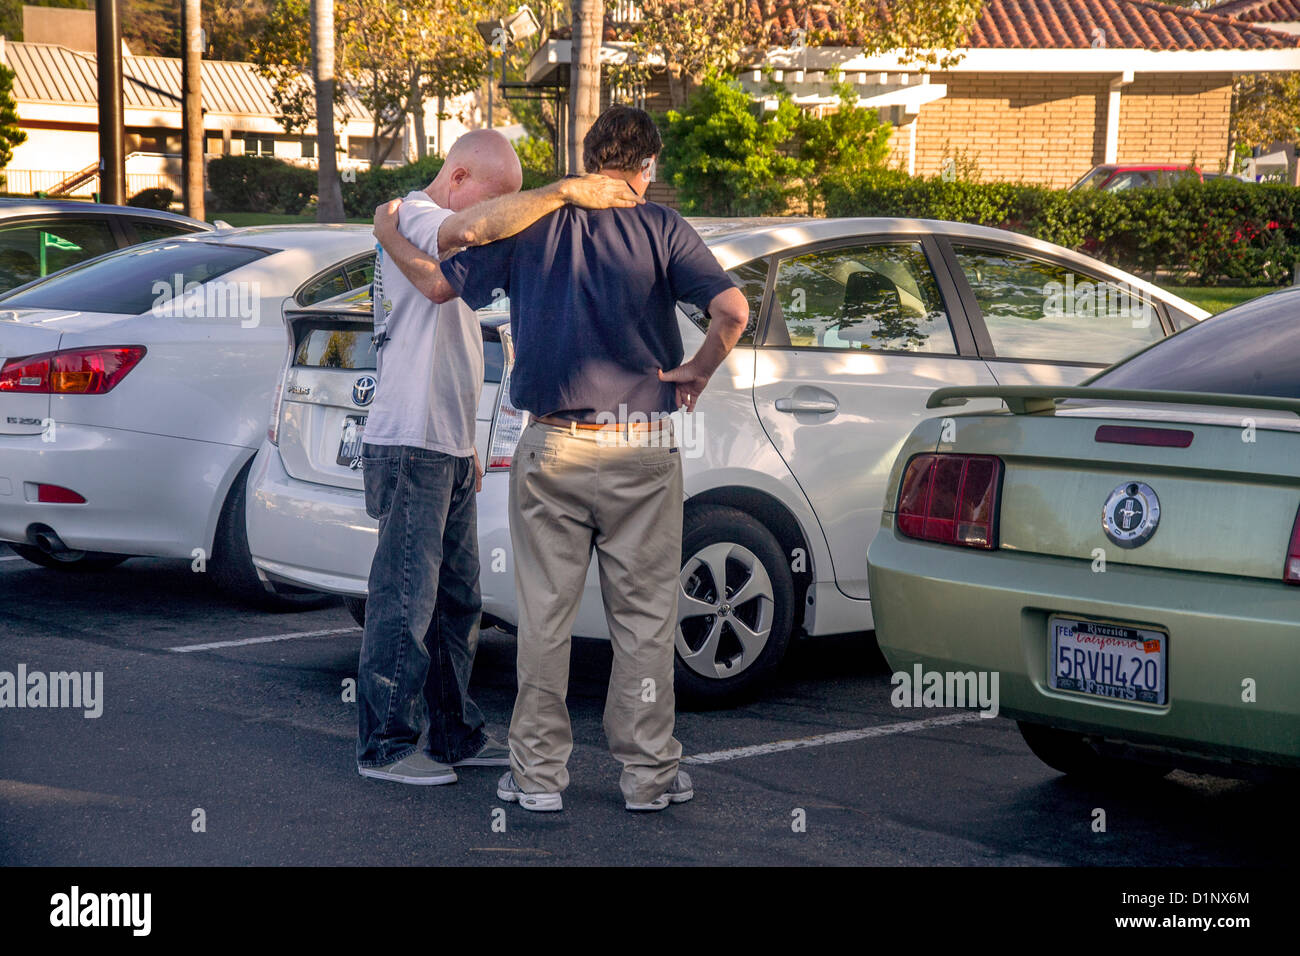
<point x="259" y="145"/>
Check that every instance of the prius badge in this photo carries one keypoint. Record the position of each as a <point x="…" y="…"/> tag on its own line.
<point x="1131" y="514"/>
<point x="363" y="391"/>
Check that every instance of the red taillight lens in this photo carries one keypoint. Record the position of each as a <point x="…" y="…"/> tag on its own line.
<point x="950" y="499"/>
<point x="1291" y="570"/>
<point x="93" y="371"/>
<point x="507" y="427"/>
<point x="58" y="495"/>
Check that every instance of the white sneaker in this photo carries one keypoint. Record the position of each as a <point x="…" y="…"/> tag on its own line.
<point x="508" y="790"/>
<point x="679" y="791"/>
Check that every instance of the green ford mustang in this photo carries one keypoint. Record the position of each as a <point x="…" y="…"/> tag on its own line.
<point x="1124" y="556"/>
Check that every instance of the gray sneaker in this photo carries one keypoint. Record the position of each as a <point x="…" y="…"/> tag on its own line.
<point x="492" y="754"/>
<point x="508" y="790"/>
<point x="417" y="768"/>
<point x="679" y="791"/>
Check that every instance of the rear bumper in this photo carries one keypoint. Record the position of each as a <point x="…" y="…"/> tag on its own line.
<point x="145" y="494"/>
<point x="320" y="537"/>
<point x="954" y="609"/>
<point x="307" y="534"/>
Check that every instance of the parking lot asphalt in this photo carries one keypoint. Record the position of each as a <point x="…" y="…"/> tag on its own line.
<point x="255" y="742"/>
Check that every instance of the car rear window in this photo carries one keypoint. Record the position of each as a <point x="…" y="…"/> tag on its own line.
<point x="134" y="280"/>
<point x="1253" y="349"/>
<point x="352" y="349"/>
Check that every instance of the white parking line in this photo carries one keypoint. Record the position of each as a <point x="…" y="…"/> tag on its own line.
<point x="186" y="648"/>
<point x="839" y="737"/>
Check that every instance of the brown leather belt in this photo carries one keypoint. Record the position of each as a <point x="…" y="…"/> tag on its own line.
<point x="652" y="426"/>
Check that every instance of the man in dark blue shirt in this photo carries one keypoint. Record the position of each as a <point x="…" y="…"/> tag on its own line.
<point x="593" y="307"/>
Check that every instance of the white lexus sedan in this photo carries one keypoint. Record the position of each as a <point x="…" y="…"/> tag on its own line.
<point x="135" y="389"/>
<point x="853" y="323"/>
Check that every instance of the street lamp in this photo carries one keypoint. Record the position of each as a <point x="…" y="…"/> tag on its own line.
<point x="500" y="35"/>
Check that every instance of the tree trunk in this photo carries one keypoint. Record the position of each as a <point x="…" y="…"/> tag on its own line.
<point x="588" y="24"/>
<point x="329" y="202"/>
<point x="416" y="99"/>
<point x="192" y="109"/>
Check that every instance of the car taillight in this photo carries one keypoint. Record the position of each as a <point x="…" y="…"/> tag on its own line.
<point x="58" y="495"/>
<point x="950" y="499"/>
<point x="1291" y="570"/>
<point x="91" y="371"/>
<point x="507" y="425"/>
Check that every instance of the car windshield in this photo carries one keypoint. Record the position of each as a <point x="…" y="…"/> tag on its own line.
<point x="1093" y="179"/>
<point x="1253" y="349"/>
<point x="133" y="280"/>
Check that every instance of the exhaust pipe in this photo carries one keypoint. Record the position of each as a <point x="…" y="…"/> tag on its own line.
<point x="47" y="540"/>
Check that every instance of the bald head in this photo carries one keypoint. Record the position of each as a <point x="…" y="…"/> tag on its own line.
<point x="480" y="165"/>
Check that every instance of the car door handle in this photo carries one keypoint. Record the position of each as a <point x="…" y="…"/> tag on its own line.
<point x="819" y="405"/>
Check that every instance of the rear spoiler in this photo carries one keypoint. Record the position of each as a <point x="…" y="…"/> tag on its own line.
<point x="1033" y="399"/>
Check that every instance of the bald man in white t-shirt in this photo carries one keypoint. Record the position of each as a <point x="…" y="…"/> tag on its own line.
<point x="421" y="473"/>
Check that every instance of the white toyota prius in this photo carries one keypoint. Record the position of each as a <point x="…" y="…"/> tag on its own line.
<point x="135" y="389"/>
<point x="853" y="323"/>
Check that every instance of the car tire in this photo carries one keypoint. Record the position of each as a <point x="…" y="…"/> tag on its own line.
<point x="1074" y="756"/>
<point x="725" y="542"/>
<point x="357" y="608"/>
<point x="69" y="560"/>
<point x="231" y="565"/>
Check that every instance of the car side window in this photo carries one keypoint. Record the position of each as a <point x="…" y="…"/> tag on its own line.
<point x="360" y="273"/>
<point x="30" y="250"/>
<point x="751" y="279"/>
<point x="332" y="283"/>
<point x="1037" y="310"/>
<point x="147" y="229"/>
<point x="878" y="297"/>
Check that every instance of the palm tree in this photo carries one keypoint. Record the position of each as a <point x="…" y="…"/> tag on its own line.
<point x="588" y="24"/>
<point x="329" y="202"/>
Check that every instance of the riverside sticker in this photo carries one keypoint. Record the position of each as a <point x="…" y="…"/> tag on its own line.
<point x="37" y="689"/>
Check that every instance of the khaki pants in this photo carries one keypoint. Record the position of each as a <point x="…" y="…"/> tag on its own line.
<point x="571" y="490"/>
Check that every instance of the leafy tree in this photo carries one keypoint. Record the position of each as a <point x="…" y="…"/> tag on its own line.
<point x="1266" y="109"/>
<point x="847" y="139"/>
<point x="232" y="25"/>
<point x="727" y="156"/>
<point x="10" y="134"/>
<point x="692" y="40"/>
<point x="282" y="53"/>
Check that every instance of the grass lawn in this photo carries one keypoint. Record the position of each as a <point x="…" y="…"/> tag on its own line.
<point x="1218" y="298"/>
<point x="267" y="218"/>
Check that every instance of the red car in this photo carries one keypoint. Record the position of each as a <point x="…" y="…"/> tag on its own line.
<point x="1112" y="176"/>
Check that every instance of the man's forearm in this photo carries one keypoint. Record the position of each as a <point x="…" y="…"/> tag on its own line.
<point x="499" y="218"/>
<point x="729" y="314"/>
<point x="420" y="269"/>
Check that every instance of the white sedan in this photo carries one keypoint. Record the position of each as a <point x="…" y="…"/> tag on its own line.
<point x="853" y="323"/>
<point x="136" y="387"/>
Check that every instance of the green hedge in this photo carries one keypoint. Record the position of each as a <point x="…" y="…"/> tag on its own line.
<point x="260" y="184"/>
<point x="1223" y="230"/>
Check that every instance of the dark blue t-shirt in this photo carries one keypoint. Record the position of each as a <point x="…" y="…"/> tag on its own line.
<point x="593" y="297"/>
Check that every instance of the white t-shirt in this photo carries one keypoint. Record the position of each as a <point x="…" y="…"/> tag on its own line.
<point x="431" y="368"/>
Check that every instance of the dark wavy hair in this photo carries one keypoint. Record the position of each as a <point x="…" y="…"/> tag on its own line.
<point x="622" y="138"/>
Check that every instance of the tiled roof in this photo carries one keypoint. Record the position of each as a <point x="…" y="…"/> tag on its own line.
<point x="1259" y="11"/>
<point x="1034" y="24"/>
<point x="47" y="73"/>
